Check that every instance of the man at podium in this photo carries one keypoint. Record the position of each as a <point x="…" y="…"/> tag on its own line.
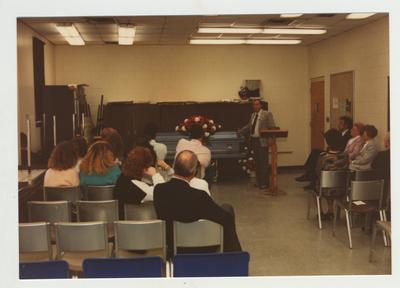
<point x="260" y="119"/>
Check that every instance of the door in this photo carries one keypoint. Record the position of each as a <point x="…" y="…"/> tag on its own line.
<point x="317" y="112"/>
<point x="341" y="100"/>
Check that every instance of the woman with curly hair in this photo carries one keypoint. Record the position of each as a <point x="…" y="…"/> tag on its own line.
<point x="61" y="167"/>
<point x="98" y="167"/>
<point x="130" y="187"/>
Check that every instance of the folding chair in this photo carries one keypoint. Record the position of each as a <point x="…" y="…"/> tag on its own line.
<point x="34" y="242"/>
<point x="44" y="270"/>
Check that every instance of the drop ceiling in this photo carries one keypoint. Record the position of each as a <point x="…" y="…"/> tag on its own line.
<point x="178" y="30"/>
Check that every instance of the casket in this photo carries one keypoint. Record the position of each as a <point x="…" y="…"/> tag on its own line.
<point x="223" y="145"/>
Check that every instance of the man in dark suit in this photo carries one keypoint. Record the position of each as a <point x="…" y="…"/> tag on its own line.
<point x="260" y="119"/>
<point x="345" y="125"/>
<point x="177" y="201"/>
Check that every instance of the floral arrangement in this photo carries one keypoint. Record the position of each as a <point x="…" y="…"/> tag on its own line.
<point x="209" y="126"/>
<point x="248" y="163"/>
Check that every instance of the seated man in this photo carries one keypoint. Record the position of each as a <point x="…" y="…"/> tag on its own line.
<point x="195" y="144"/>
<point x="150" y="132"/>
<point x="370" y="149"/>
<point x="177" y="201"/>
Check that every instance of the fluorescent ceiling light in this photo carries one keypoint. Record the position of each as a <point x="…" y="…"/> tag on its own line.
<point x="261" y="31"/>
<point x="126" y="35"/>
<point x="359" y="15"/>
<point x="291" y="15"/>
<point x="245" y="41"/>
<point x="70" y="34"/>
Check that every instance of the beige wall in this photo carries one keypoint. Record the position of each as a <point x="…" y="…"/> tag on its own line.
<point x="196" y="73"/>
<point x="26" y="104"/>
<point x="365" y="51"/>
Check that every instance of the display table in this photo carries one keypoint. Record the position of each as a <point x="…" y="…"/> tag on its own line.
<point x="272" y="135"/>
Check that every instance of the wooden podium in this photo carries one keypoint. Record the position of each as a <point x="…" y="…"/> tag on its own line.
<point x="272" y="135"/>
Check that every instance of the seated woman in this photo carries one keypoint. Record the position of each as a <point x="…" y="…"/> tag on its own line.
<point x="61" y="167"/>
<point x="129" y="187"/>
<point x="355" y="144"/>
<point x="112" y="136"/>
<point x="368" y="152"/>
<point x="150" y="132"/>
<point x="98" y="167"/>
<point x="80" y="145"/>
<point x="331" y="160"/>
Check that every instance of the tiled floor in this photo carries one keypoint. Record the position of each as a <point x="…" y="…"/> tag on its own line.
<point x="281" y="241"/>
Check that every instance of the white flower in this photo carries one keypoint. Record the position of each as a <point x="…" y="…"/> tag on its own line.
<point x="251" y="152"/>
<point x="186" y="120"/>
<point x="251" y="159"/>
<point x="244" y="161"/>
<point x="239" y="161"/>
<point x="206" y="134"/>
<point x="248" y="171"/>
<point x="244" y="167"/>
<point x="245" y="148"/>
<point x="205" y="126"/>
<point x="213" y="128"/>
<point x="219" y="126"/>
<point x="183" y="128"/>
<point x="196" y="119"/>
<point x="211" y="121"/>
<point x="177" y="128"/>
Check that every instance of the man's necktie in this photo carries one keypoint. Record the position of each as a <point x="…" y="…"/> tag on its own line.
<point x="253" y="126"/>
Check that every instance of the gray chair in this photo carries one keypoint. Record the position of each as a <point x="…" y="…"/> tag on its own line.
<point x="140" y="212"/>
<point x="364" y="175"/>
<point x="49" y="211"/>
<point x="34" y="242"/>
<point x="201" y="233"/>
<point x="98" y="193"/>
<point x="329" y="181"/>
<point x="71" y="194"/>
<point x="384" y="226"/>
<point x="78" y="241"/>
<point x="370" y="193"/>
<point x="106" y="211"/>
<point x="140" y="235"/>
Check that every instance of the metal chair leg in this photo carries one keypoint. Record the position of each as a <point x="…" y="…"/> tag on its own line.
<point x="371" y="251"/>
<point x="382" y="217"/>
<point x="336" y="213"/>
<point x="319" y="212"/>
<point x="309" y="205"/>
<point x="348" y="228"/>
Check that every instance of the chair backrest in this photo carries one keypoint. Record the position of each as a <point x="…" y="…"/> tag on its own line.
<point x="140" y="235"/>
<point x="333" y="179"/>
<point x="44" y="270"/>
<point x="211" y="264"/>
<point x="80" y="237"/>
<point x="367" y="191"/>
<point x="71" y="194"/>
<point x="197" y="234"/>
<point x="364" y="175"/>
<point x="98" y="193"/>
<point x="106" y="211"/>
<point x="139" y="267"/>
<point x="49" y="211"/>
<point x="35" y="237"/>
<point x="144" y="211"/>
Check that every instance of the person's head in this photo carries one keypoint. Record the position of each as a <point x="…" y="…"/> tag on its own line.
<point x="334" y="139"/>
<point x="143" y="142"/>
<point x="196" y="132"/>
<point x="345" y="123"/>
<point x="99" y="159"/>
<point x="137" y="162"/>
<point x="186" y="164"/>
<point x="357" y="130"/>
<point x="370" y="132"/>
<point x="112" y="136"/>
<point x="386" y="141"/>
<point x="257" y="105"/>
<point x="62" y="157"/>
<point x="80" y="145"/>
<point x="150" y="130"/>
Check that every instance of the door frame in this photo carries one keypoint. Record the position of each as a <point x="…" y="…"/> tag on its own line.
<point x="317" y="79"/>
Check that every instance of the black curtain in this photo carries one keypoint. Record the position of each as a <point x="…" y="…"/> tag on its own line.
<point x="38" y="77"/>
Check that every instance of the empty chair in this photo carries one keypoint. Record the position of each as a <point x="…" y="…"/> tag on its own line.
<point x="143" y="211"/>
<point x="201" y="233"/>
<point x="71" y="194"/>
<point x="78" y="241"/>
<point x="106" y="211"/>
<point x="211" y="264"/>
<point x="49" y="211"/>
<point x="98" y="193"/>
<point x="364" y="175"/>
<point x="364" y="197"/>
<point x="329" y="181"/>
<point x="384" y="226"/>
<point x="44" y="270"/>
<point x="34" y="242"/>
<point x="140" y="267"/>
<point x="140" y="235"/>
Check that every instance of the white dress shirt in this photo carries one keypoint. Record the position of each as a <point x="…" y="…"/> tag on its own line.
<point x="159" y="148"/>
<point x="146" y="188"/>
